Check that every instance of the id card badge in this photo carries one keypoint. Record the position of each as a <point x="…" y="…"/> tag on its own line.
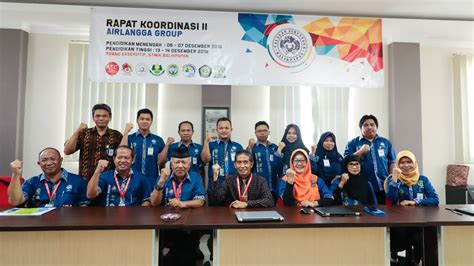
<point x="195" y="160"/>
<point x="419" y="196"/>
<point x="271" y="157"/>
<point x="232" y="155"/>
<point x="381" y="153"/>
<point x="326" y="163"/>
<point x="221" y="172"/>
<point x="110" y="152"/>
<point x="49" y="205"/>
<point x="150" y="151"/>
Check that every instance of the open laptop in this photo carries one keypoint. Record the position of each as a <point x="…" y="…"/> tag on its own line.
<point x="258" y="216"/>
<point x="336" y="211"/>
<point x="469" y="210"/>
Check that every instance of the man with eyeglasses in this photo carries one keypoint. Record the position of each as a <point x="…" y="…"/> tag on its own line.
<point x="263" y="152"/>
<point x="54" y="187"/>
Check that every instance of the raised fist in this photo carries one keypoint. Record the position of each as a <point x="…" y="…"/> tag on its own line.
<point x="344" y="178"/>
<point x="16" y="167"/>
<point x="208" y="137"/>
<point x="252" y="142"/>
<point x="165" y="172"/>
<point x="81" y="127"/>
<point x="101" y="166"/>
<point x="290" y="175"/>
<point x="169" y="141"/>
<point x="128" y="127"/>
<point x="215" y="170"/>
<point x="396" y="173"/>
<point x="281" y="146"/>
<point x="313" y="148"/>
<point x="364" y="149"/>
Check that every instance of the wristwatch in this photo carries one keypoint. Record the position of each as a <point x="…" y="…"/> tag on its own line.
<point x="158" y="188"/>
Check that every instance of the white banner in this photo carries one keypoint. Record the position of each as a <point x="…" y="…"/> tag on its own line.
<point x="197" y="47"/>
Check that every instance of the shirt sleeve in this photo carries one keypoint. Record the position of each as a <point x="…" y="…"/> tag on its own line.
<point x="391" y="156"/>
<point x="82" y="197"/>
<point x="392" y="189"/>
<point x="217" y="193"/>
<point x="431" y="197"/>
<point x="147" y="189"/>
<point x="287" y="194"/>
<point x="323" y="189"/>
<point x="350" y="148"/>
<point x="29" y="188"/>
<point x="198" y="190"/>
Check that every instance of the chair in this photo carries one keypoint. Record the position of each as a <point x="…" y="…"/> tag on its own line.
<point x="4" y="182"/>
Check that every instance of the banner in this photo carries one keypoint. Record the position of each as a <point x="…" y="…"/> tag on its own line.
<point x="197" y="47"/>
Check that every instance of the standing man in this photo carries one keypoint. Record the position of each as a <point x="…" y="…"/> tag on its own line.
<point x="185" y="131"/>
<point x="54" y="187"/>
<point x="96" y="143"/>
<point x="376" y="153"/>
<point x="243" y="190"/>
<point x="122" y="186"/>
<point x="222" y="151"/>
<point x="263" y="151"/>
<point x="145" y="145"/>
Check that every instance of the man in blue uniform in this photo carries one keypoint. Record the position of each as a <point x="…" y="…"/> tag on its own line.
<point x="145" y="145"/>
<point x="54" y="187"/>
<point x="122" y="186"/>
<point x="222" y="151"/>
<point x="185" y="131"/>
<point x="263" y="152"/>
<point x="376" y="153"/>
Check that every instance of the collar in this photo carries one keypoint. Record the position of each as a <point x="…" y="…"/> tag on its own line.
<point x="258" y="143"/>
<point x="180" y="143"/>
<point x="138" y="134"/>
<point x="362" y="137"/>
<point x="129" y="173"/>
<point x="219" y="141"/>
<point x="64" y="175"/>
<point x="94" y="129"/>
<point x="187" y="177"/>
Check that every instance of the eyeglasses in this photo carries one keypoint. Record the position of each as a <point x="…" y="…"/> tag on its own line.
<point x="261" y="131"/>
<point x="302" y="161"/>
<point x="354" y="164"/>
<point x="45" y="160"/>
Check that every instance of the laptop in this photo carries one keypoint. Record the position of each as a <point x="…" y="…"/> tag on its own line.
<point x="258" y="216"/>
<point x="336" y="211"/>
<point x="469" y="210"/>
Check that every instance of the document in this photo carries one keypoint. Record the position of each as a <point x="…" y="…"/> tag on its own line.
<point x="26" y="211"/>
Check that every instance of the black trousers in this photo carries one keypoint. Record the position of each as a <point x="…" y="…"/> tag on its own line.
<point x="404" y="238"/>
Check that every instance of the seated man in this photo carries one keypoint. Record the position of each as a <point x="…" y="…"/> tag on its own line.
<point x="242" y="190"/>
<point x="122" y="186"/>
<point x="184" y="188"/>
<point x="54" y="187"/>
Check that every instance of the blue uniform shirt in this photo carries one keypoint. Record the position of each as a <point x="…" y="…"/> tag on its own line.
<point x="423" y="193"/>
<point x="192" y="188"/>
<point x="328" y="169"/>
<point x="138" y="191"/>
<point x="376" y="162"/>
<point x="195" y="152"/>
<point x="223" y="153"/>
<point x="146" y="151"/>
<point x="264" y="163"/>
<point x="71" y="191"/>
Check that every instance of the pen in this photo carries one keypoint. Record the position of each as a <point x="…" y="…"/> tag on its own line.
<point x="454" y="211"/>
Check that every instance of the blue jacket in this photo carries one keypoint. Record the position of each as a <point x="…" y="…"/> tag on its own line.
<point x="423" y="193"/>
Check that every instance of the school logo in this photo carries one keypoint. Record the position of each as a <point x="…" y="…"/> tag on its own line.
<point x="189" y="70"/>
<point x="141" y="69"/>
<point x="127" y="68"/>
<point x="69" y="188"/>
<point x="205" y="71"/>
<point x="290" y="47"/>
<point x="173" y="70"/>
<point x="219" y="72"/>
<point x="157" y="70"/>
<point x="112" y="68"/>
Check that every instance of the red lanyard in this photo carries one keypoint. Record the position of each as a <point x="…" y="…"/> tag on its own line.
<point x="177" y="192"/>
<point x="51" y="196"/>
<point x="242" y="196"/>
<point x="122" y="193"/>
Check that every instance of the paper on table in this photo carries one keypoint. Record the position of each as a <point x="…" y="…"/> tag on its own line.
<point x="26" y="211"/>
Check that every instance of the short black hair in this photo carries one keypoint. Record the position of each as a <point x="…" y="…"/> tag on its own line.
<point x="102" y="106"/>
<point x="125" y="147"/>
<point x="49" y="148"/>
<point x="223" y="119"/>
<point x="367" y="117"/>
<point x="261" y="123"/>
<point x="186" y="122"/>
<point x="145" y="111"/>
<point x="244" y="152"/>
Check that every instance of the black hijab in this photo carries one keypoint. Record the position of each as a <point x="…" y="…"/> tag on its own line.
<point x="290" y="147"/>
<point x="357" y="187"/>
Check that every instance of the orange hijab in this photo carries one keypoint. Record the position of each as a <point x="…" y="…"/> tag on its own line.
<point x="305" y="186"/>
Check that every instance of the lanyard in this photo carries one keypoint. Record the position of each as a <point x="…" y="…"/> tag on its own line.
<point x="122" y="192"/>
<point x="177" y="192"/>
<point x="242" y="196"/>
<point x="51" y="196"/>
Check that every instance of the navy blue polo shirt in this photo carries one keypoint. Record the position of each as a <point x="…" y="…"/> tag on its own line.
<point x="376" y="162"/>
<point x="264" y="157"/>
<point x="195" y="152"/>
<point x="138" y="191"/>
<point x="71" y="191"/>
<point x="192" y="188"/>
<point x="223" y="153"/>
<point x="146" y="151"/>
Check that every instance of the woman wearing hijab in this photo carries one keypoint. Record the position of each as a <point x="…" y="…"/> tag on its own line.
<point x="406" y="187"/>
<point x="328" y="159"/>
<point x="352" y="188"/>
<point x="301" y="186"/>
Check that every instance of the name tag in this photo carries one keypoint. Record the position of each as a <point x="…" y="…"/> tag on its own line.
<point x="221" y="172"/>
<point x="419" y="196"/>
<point x="195" y="160"/>
<point x="271" y="157"/>
<point x="110" y="152"/>
<point x="150" y="151"/>
<point x="381" y="153"/>
<point x="326" y="163"/>
<point x="232" y="155"/>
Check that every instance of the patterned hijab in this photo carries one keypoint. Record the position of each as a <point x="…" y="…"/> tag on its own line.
<point x="305" y="186"/>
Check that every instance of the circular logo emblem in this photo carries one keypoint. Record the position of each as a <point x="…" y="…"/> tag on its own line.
<point x="141" y="69"/>
<point x="112" y="68"/>
<point x="219" y="72"/>
<point x="189" y="70"/>
<point x="157" y="70"/>
<point x="290" y="47"/>
<point x="173" y="70"/>
<point x="127" y="68"/>
<point x="205" y="71"/>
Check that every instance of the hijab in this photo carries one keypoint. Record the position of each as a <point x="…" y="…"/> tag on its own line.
<point x="335" y="159"/>
<point x="290" y="147"/>
<point x="321" y="152"/>
<point x="305" y="185"/>
<point x="357" y="187"/>
<point x="411" y="178"/>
